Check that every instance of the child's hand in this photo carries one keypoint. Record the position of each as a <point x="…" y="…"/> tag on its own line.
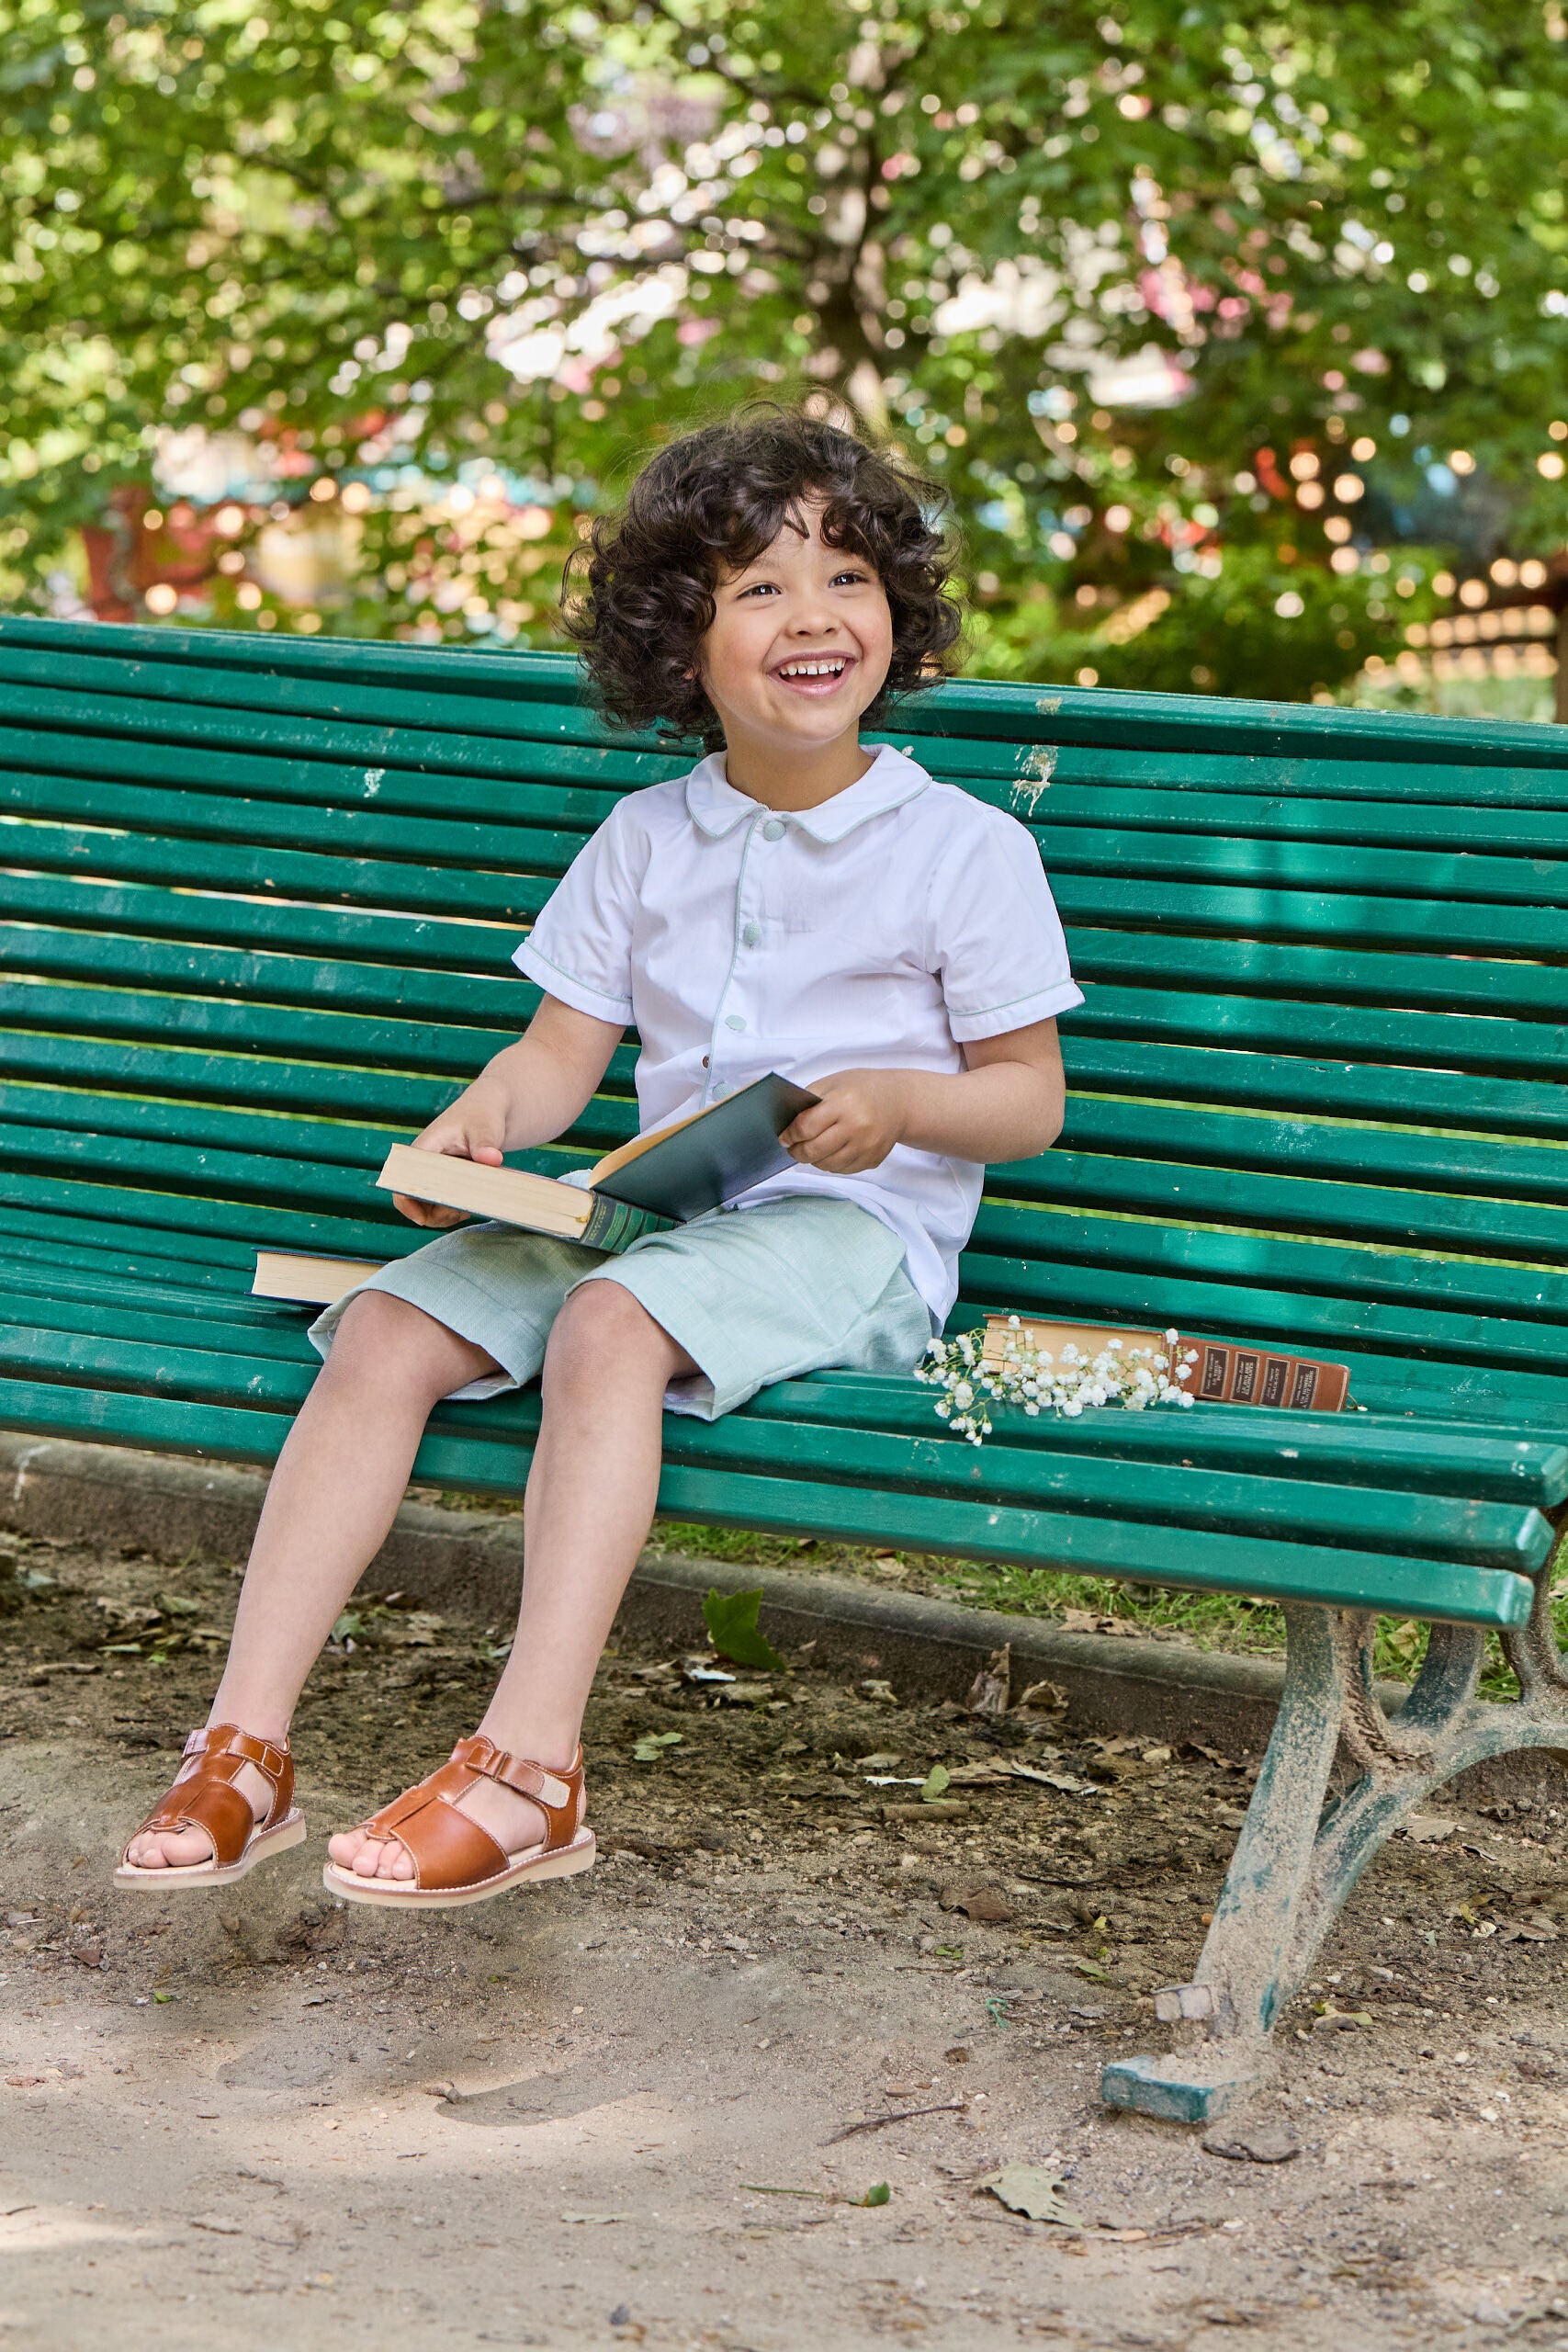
<point x="860" y="1117"/>
<point x="467" y="1131"/>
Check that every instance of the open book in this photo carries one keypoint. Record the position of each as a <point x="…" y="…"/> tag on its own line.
<point x="664" y="1178"/>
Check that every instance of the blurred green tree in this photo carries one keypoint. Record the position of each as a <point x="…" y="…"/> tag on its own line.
<point x="1188" y="303"/>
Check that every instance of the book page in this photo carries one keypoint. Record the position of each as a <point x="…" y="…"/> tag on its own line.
<point x="623" y="1156"/>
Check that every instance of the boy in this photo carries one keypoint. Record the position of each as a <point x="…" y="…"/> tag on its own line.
<point x="796" y="903"/>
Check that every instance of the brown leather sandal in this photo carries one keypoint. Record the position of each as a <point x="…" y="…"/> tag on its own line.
<point x="204" y="1796"/>
<point x="455" y="1860"/>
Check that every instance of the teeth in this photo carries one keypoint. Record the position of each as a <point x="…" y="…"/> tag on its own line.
<point x="812" y="669"/>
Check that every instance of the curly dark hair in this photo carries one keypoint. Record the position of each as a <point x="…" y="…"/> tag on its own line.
<point x="639" y="592"/>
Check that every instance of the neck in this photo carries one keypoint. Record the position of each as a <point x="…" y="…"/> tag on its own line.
<point x="795" y="776"/>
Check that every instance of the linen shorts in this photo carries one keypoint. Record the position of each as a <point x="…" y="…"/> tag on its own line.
<point x="753" y="1296"/>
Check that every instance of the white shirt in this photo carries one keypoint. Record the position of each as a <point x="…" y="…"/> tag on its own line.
<point x="883" y="930"/>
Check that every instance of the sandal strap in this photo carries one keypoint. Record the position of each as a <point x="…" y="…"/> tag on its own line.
<point x="207" y="1797"/>
<point x="447" y="1848"/>
<point x="557" y="1791"/>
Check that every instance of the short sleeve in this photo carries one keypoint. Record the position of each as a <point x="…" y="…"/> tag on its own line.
<point x="579" y="950"/>
<point x="995" y="936"/>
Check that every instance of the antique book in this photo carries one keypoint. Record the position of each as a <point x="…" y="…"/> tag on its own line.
<point x="664" y="1178"/>
<point x="1224" y="1373"/>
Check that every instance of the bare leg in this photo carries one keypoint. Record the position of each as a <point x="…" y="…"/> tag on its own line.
<point x="590" y="1503"/>
<point x="333" y="1495"/>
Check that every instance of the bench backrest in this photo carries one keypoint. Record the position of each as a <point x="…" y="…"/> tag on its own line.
<point x="260" y="898"/>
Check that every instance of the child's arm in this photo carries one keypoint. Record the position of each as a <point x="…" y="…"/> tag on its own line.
<point x="529" y="1093"/>
<point x="1007" y="1104"/>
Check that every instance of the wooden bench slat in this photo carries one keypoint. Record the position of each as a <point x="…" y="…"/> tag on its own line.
<point x="382" y="884"/>
<point x="1214" y="1281"/>
<point x="144" y="1060"/>
<point x="1235" y="1189"/>
<point x="481" y="693"/>
<point x="160" y="1357"/>
<point x="1270" y="1569"/>
<point x="1494" y="1313"/>
<point x="1263" y="969"/>
<point x="1316" y="1271"/>
<point x="1442" y="1456"/>
<point x="506" y="1002"/>
<point x="1468" y="1041"/>
<point x="1335" y="1090"/>
<point x="1377" y="1449"/>
<point x="966" y="707"/>
<point x="1174" y="1135"/>
<point x="1303" y="1203"/>
<point x="1359" y="1033"/>
<point x="338" y="1177"/>
<point x="544" y="783"/>
<point x="1353" y="912"/>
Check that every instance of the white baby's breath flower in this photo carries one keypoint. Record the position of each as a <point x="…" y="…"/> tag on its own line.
<point x="1030" y="1377"/>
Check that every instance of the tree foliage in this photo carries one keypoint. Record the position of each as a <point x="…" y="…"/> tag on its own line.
<point x="513" y="241"/>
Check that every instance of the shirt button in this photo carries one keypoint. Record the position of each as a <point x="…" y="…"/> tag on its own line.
<point x="751" y="934"/>
<point x="733" y="1021"/>
<point x="705" y="1061"/>
<point x="773" y="830"/>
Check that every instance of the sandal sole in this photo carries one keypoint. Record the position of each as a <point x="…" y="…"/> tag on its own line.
<point x="402" y="1894"/>
<point x="291" y="1831"/>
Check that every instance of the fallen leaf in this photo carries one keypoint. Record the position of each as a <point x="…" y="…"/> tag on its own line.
<point x="1428" y="1828"/>
<point x="649" y="1749"/>
<point x="1330" y="2019"/>
<point x="879" y="2194"/>
<point x="880" y="1762"/>
<point x="1045" y="1699"/>
<point x="992" y="1687"/>
<point x="882" y="1691"/>
<point x="1033" y="2189"/>
<point x="936" y="1781"/>
<point x="731" y="1621"/>
<point x="1092" y="1620"/>
<point x="983" y="1902"/>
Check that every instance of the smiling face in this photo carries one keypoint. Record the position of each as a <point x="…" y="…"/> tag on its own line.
<point x="799" y="646"/>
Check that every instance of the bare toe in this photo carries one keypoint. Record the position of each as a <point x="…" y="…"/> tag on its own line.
<point x="170" y="1848"/>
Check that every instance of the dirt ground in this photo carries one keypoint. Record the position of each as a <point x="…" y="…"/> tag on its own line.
<point x="624" y="2109"/>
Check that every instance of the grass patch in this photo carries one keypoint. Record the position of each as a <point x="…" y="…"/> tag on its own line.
<point x="1205" y="1621"/>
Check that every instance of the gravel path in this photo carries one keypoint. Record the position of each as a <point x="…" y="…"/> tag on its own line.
<point x="624" y="2109"/>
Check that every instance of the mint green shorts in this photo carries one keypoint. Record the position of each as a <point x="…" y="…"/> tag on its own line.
<point x="753" y="1296"/>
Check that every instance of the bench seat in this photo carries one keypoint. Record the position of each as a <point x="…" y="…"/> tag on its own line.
<point x="260" y="898"/>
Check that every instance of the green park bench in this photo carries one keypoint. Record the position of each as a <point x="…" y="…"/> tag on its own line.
<point x="261" y="897"/>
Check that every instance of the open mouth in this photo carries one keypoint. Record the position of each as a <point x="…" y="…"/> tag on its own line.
<point x="814" y="674"/>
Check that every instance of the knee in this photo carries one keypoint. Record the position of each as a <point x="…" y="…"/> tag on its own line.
<point x="379" y="1338"/>
<point x="600" y="1324"/>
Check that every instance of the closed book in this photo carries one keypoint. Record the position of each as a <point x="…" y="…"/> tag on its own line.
<point x="307" y="1277"/>
<point x="1225" y="1373"/>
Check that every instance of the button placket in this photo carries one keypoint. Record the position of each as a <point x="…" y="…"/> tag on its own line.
<point x="747" y="933"/>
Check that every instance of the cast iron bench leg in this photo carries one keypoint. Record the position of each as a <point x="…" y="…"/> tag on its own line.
<point x="1301" y="1851"/>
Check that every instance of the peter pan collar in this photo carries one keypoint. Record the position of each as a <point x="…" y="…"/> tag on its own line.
<point x="716" y="808"/>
